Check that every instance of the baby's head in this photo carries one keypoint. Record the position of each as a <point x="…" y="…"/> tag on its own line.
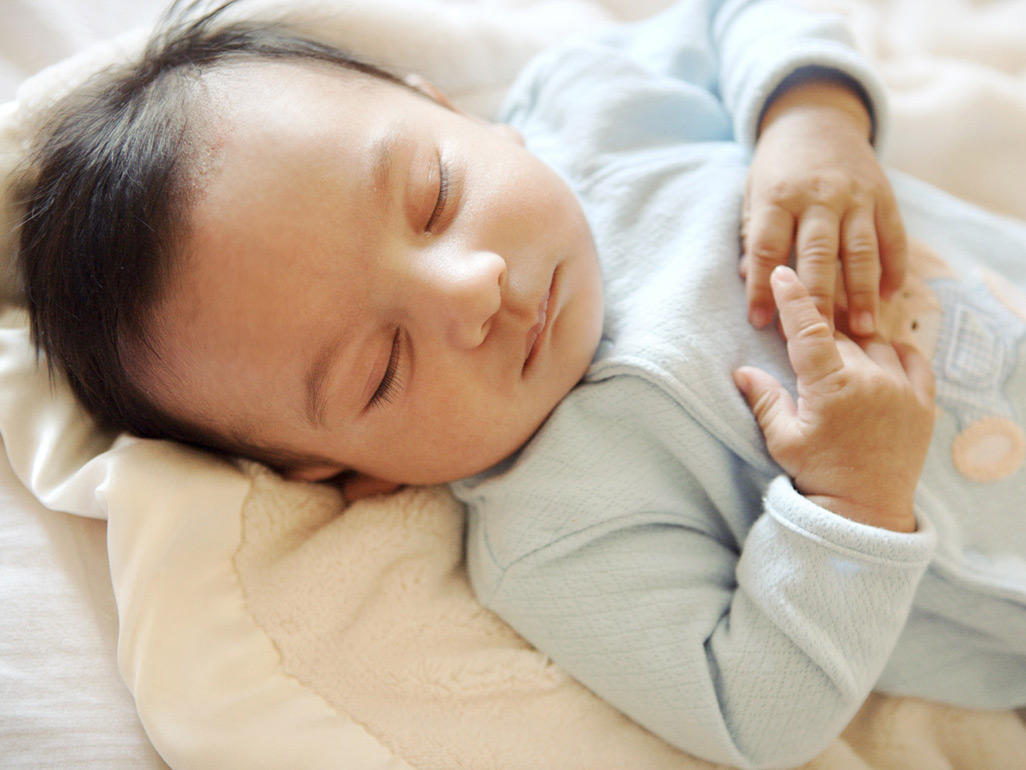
<point x="252" y="243"/>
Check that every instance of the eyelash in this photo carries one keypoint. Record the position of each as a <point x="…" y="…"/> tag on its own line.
<point x="390" y="382"/>
<point x="443" y="195"/>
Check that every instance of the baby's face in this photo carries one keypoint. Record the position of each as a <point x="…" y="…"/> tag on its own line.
<point x="374" y="280"/>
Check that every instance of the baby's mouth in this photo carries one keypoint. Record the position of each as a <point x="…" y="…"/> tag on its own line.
<point x="536" y="332"/>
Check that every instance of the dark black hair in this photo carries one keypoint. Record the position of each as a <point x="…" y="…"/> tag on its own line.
<point x="107" y="198"/>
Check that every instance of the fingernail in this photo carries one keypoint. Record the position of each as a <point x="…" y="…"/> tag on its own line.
<point x="864" y="323"/>
<point x="759" y="317"/>
<point x="741" y="381"/>
<point x="783" y="273"/>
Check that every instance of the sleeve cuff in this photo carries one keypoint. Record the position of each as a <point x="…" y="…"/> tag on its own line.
<point x="795" y="512"/>
<point x="823" y="56"/>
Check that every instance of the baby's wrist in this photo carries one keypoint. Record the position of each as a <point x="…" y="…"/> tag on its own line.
<point x="895" y="517"/>
<point x="826" y="101"/>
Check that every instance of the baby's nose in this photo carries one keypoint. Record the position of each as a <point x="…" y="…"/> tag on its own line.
<point x="464" y="296"/>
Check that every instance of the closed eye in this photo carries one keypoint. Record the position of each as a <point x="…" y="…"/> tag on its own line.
<point x="391" y="383"/>
<point x="443" y="195"/>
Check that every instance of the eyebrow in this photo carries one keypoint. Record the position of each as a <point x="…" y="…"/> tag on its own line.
<point x="315" y="379"/>
<point x="382" y="153"/>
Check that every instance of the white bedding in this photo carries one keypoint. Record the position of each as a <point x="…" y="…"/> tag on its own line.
<point x="62" y="700"/>
<point x="258" y="628"/>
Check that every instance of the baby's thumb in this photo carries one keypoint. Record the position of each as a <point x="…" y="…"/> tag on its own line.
<point x="772" y="406"/>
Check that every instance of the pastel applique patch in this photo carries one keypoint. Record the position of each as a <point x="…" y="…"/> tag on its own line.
<point x="976" y="358"/>
<point x="989" y="449"/>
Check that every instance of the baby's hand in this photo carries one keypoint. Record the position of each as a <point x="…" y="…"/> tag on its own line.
<point x="856" y="440"/>
<point x="815" y="185"/>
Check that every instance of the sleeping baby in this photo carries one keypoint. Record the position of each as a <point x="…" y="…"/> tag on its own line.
<point x="731" y="529"/>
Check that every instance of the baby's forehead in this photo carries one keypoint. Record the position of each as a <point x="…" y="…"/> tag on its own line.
<point x="249" y="101"/>
<point x="286" y="136"/>
<point x="272" y="79"/>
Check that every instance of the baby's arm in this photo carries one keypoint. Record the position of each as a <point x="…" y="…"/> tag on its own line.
<point x="637" y="558"/>
<point x="815" y="185"/>
<point x="857" y="438"/>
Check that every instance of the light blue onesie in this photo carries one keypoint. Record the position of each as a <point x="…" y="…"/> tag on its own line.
<point x="643" y="538"/>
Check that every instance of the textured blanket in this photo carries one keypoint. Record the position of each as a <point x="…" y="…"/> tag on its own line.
<point x="264" y="624"/>
<point x="402" y="646"/>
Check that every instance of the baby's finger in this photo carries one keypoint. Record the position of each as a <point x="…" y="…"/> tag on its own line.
<point x="890" y="234"/>
<point x="810" y="340"/>
<point x="816" y="253"/>
<point x="774" y="410"/>
<point x="917" y="367"/>
<point x="860" y="256"/>
<point x="769" y="235"/>
<point x="881" y="352"/>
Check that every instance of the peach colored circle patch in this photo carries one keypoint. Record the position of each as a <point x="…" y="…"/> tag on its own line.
<point x="1007" y="293"/>
<point x="989" y="449"/>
